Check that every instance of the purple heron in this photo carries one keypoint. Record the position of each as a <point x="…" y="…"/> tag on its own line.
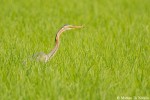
<point x="46" y="57"/>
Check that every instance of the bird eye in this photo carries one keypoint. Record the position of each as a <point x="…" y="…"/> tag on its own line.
<point x="66" y="24"/>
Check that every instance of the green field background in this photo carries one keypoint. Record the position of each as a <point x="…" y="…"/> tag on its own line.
<point x="109" y="57"/>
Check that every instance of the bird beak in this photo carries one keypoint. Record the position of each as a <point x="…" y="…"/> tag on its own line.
<point x="73" y="27"/>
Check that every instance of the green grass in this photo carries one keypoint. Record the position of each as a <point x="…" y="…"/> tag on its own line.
<point x="110" y="57"/>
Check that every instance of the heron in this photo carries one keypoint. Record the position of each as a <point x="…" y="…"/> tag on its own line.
<point x="42" y="57"/>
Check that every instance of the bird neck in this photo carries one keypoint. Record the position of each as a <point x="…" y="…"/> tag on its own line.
<point x="51" y="54"/>
<point x="58" y="34"/>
